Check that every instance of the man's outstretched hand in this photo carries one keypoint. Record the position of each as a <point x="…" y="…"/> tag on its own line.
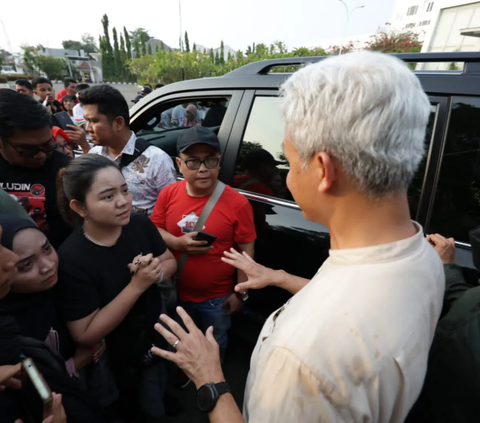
<point x="198" y="355"/>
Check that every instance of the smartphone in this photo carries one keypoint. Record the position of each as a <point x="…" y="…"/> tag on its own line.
<point x="203" y="236"/>
<point x="62" y="119"/>
<point x="36" y="392"/>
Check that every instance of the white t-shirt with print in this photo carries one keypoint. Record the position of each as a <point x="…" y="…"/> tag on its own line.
<point x="352" y="345"/>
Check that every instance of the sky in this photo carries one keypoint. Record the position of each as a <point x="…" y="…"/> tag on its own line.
<point x="239" y="23"/>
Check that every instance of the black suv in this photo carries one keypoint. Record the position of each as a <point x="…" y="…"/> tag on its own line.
<point x="242" y="107"/>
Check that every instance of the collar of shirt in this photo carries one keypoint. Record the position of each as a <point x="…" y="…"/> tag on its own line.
<point x="380" y="253"/>
<point x="128" y="149"/>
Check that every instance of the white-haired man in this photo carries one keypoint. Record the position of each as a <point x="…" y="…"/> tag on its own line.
<point x="352" y="344"/>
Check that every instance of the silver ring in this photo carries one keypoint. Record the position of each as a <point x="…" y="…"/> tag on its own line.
<point x="176" y="343"/>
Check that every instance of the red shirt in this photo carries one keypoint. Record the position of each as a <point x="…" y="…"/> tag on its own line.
<point x="205" y="276"/>
<point x="61" y="94"/>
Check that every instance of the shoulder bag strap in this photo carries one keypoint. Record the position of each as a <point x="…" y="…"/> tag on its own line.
<point x="140" y="146"/>
<point x="212" y="201"/>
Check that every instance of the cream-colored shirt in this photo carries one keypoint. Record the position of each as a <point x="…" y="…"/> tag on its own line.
<point x="352" y="346"/>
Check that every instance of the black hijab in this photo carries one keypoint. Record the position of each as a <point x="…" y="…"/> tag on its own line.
<point x="34" y="313"/>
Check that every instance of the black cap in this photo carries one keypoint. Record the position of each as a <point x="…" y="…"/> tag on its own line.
<point x="146" y="90"/>
<point x="258" y="157"/>
<point x="197" y="135"/>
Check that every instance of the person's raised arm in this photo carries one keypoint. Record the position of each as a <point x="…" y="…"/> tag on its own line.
<point x="259" y="276"/>
<point x="96" y="326"/>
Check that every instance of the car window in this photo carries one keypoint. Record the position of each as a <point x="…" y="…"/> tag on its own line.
<point x="161" y="125"/>
<point x="457" y="198"/>
<point x="261" y="167"/>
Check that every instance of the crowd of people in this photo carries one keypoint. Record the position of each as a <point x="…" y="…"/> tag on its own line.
<point x="112" y="272"/>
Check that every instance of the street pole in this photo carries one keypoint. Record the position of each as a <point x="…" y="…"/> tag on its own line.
<point x="349" y="14"/>
<point x="181" y="32"/>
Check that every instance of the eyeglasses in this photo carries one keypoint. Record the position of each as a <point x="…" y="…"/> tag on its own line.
<point x="46" y="148"/>
<point x="195" y="164"/>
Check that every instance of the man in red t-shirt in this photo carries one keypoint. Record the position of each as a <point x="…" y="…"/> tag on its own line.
<point x="205" y="288"/>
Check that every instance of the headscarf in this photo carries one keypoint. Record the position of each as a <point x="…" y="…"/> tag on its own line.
<point x="193" y="110"/>
<point x="34" y="313"/>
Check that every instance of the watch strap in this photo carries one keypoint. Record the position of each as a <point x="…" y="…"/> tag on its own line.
<point x="222" y="388"/>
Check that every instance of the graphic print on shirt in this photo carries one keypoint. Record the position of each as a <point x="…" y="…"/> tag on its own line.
<point x="188" y="222"/>
<point x="140" y="164"/>
<point x="32" y="198"/>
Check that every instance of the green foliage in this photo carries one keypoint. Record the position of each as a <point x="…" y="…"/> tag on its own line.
<point x="128" y="42"/>
<point x="29" y="59"/>
<point x="108" y="58"/>
<point x="54" y="68"/>
<point x="87" y="44"/>
<point x="143" y="43"/>
<point x="394" y="41"/>
<point x="187" y="43"/>
<point x="150" y="49"/>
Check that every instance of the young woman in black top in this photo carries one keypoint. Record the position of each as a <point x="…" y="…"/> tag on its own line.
<point x="31" y="298"/>
<point x="101" y="296"/>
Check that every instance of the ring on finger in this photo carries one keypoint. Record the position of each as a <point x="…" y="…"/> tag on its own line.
<point x="176" y="343"/>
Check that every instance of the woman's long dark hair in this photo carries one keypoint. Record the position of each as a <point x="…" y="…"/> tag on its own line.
<point x="74" y="183"/>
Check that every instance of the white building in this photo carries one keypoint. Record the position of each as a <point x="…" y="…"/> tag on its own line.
<point x="414" y="15"/>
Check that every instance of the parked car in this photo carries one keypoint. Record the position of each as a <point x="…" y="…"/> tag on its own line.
<point x="243" y="109"/>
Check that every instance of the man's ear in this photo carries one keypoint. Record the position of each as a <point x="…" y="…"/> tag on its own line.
<point x="78" y="208"/>
<point x="119" y="123"/>
<point x="325" y="170"/>
<point x="179" y="164"/>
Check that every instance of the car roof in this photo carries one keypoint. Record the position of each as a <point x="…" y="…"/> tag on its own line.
<point x="258" y="75"/>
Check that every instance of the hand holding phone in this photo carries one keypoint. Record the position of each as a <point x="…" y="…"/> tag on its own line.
<point x="203" y="236"/>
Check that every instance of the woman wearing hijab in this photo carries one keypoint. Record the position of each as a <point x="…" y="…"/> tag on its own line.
<point x="14" y="347"/>
<point x="191" y="116"/>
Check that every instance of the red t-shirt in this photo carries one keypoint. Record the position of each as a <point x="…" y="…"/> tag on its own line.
<point x="62" y="93"/>
<point x="205" y="276"/>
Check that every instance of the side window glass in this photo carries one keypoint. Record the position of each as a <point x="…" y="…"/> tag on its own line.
<point x="261" y="167"/>
<point x="162" y="124"/>
<point x="415" y="189"/>
<point x="457" y="199"/>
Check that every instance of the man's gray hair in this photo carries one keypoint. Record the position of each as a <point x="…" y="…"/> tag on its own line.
<point x="368" y="110"/>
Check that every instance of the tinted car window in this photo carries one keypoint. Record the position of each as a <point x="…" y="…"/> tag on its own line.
<point x="163" y="124"/>
<point x="457" y="199"/>
<point x="261" y="167"/>
<point x="256" y="170"/>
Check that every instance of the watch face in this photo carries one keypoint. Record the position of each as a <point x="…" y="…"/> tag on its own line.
<point x="206" y="398"/>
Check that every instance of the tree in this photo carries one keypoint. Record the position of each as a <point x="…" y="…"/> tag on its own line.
<point x="394" y="41"/>
<point x="217" y="58"/>
<point x="88" y="43"/>
<point x="157" y="48"/>
<point x="108" y="59"/>
<point x="143" y="43"/>
<point x="212" y="57"/>
<point x="162" y="47"/>
<point x="29" y="59"/>
<point x="222" y="53"/>
<point x="187" y="43"/>
<point x="54" y="68"/>
<point x="150" y="49"/>
<point x="119" y="65"/>
<point x="194" y="47"/>
<point x="72" y="45"/>
<point x="128" y="43"/>
<point x="139" y="37"/>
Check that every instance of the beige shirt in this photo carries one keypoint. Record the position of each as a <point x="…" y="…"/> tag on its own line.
<point x="352" y="346"/>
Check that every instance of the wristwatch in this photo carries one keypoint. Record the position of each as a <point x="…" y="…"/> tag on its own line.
<point x="207" y="395"/>
<point x="242" y="295"/>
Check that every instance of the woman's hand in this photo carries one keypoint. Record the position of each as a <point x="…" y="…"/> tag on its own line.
<point x="145" y="270"/>
<point x="8" y="376"/>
